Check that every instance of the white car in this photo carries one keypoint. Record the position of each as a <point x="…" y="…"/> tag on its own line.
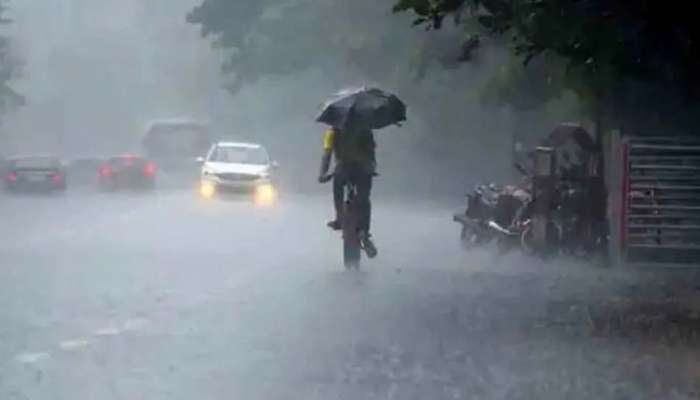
<point x="233" y="167"/>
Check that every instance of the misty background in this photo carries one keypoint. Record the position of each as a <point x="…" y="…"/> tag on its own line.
<point x="96" y="71"/>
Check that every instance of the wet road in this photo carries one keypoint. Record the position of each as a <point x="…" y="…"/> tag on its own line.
<point x="161" y="296"/>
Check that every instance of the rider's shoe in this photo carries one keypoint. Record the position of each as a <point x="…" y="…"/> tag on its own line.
<point x="335" y="225"/>
<point x="368" y="244"/>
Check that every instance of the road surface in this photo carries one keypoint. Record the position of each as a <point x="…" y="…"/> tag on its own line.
<point x="162" y="296"/>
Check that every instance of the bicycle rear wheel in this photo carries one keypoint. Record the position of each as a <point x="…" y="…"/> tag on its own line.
<point x="352" y="249"/>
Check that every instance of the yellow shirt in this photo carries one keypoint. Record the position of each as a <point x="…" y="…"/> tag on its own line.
<point x="328" y="139"/>
<point x="355" y="149"/>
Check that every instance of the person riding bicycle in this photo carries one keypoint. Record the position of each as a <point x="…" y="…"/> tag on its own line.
<point x="355" y="162"/>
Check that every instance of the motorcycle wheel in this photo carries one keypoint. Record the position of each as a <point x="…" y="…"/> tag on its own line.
<point x="526" y="241"/>
<point x="469" y="238"/>
<point x="504" y="244"/>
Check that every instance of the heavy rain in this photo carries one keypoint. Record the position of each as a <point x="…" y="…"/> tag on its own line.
<point x="333" y="199"/>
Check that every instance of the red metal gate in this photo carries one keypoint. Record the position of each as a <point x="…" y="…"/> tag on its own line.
<point x="660" y="200"/>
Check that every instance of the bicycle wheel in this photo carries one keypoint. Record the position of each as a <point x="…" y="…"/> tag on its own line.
<point x="352" y="249"/>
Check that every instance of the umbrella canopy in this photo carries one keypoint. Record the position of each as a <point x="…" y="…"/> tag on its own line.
<point x="362" y="108"/>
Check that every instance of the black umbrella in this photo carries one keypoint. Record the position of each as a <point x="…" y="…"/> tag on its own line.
<point x="362" y="108"/>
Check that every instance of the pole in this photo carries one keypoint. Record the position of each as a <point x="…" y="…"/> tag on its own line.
<point x="542" y="197"/>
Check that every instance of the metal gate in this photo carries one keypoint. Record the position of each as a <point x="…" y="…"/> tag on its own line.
<point x="660" y="200"/>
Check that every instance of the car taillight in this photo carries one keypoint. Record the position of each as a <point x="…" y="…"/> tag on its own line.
<point x="11" y="177"/>
<point x="57" y="177"/>
<point x="149" y="169"/>
<point x="106" y="171"/>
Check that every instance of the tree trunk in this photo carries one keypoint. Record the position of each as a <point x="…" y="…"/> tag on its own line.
<point x="524" y="134"/>
<point x="598" y="118"/>
<point x="600" y="195"/>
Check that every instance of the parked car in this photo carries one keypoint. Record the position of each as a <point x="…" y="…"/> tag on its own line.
<point x="127" y="172"/>
<point x="35" y="173"/>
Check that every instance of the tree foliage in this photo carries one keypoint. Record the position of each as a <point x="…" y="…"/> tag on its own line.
<point x="643" y="38"/>
<point x="9" y="68"/>
<point x="276" y="37"/>
<point x="610" y="49"/>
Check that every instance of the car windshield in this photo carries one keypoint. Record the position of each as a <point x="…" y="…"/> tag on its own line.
<point x="36" y="162"/>
<point x="240" y="155"/>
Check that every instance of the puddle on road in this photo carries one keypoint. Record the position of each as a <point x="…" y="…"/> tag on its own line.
<point x="76" y="344"/>
<point x="136" y="324"/>
<point x="109" y="331"/>
<point x="31" y="358"/>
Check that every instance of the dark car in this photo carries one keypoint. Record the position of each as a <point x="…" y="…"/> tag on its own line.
<point x="127" y="172"/>
<point x="35" y="173"/>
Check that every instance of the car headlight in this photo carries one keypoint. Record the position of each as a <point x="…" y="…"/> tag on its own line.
<point x="265" y="194"/>
<point x="207" y="189"/>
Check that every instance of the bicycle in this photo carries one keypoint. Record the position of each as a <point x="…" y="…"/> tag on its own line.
<point x="350" y="221"/>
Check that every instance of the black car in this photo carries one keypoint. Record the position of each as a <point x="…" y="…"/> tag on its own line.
<point x="127" y="172"/>
<point x="35" y="173"/>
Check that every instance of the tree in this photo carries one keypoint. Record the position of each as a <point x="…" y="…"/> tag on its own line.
<point x="614" y="52"/>
<point x="280" y="37"/>
<point x="9" y="68"/>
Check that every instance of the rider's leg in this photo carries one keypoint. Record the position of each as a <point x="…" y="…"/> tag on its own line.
<point x="338" y="180"/>
<point x="364" y="190"/>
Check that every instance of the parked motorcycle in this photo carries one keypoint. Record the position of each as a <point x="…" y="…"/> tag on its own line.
<point x="481" y="207"/>
<point x="494" y="212"/>
<point x="506" y="219"/>
<point x="513" y="228"/>
<point x="565" y="224"/>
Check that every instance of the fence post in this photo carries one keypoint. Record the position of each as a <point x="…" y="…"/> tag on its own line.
<point x="543" y="185"/>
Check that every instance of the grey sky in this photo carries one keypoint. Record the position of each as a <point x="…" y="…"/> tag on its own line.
<point x="97" y="70"/>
